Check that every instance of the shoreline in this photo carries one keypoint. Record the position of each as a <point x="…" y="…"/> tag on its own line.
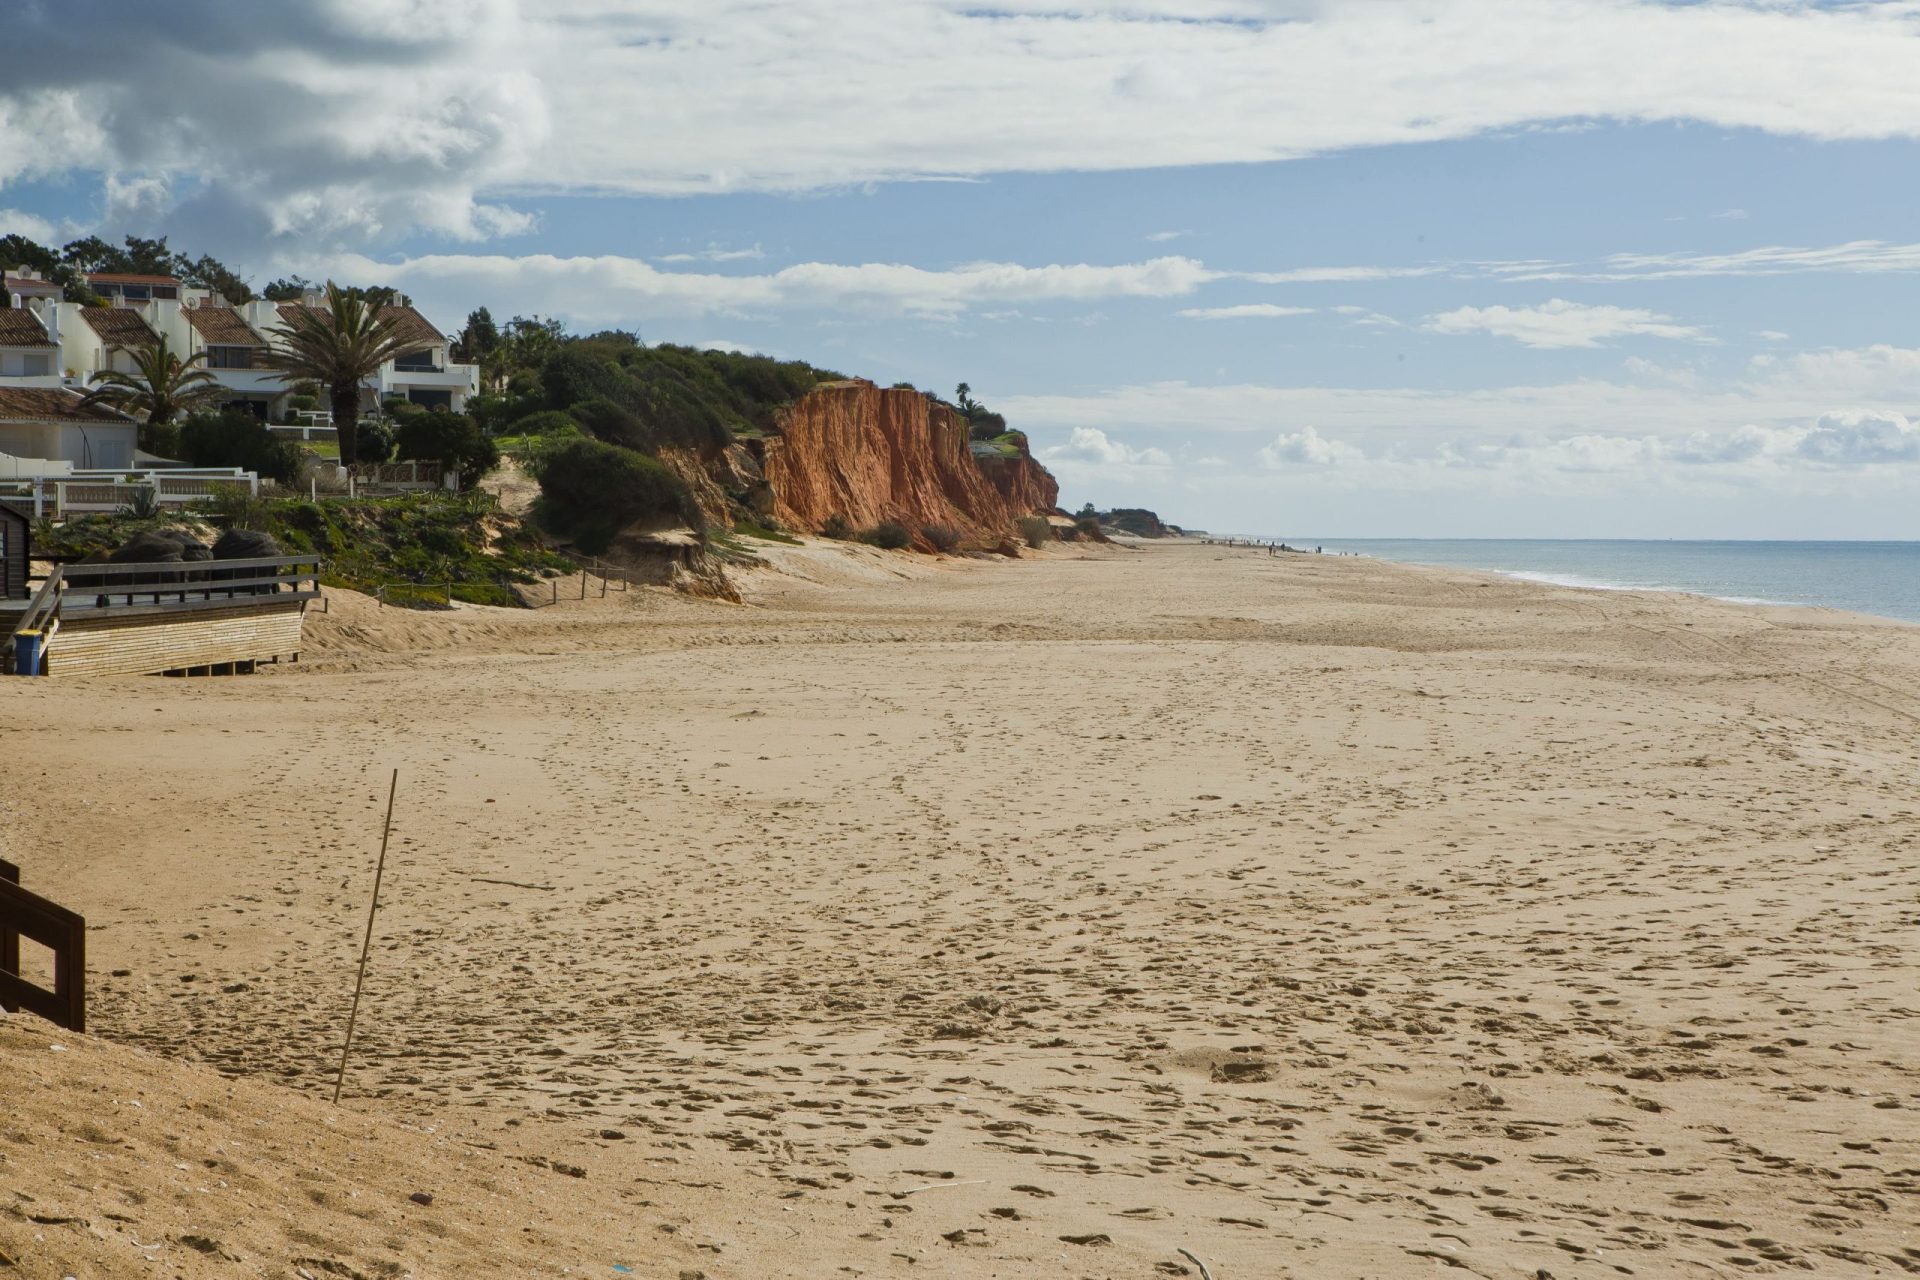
<point x="983" y="918"/>
<point x="1577" y="582"/>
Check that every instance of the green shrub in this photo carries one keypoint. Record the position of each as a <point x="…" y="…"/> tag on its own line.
<point x="235" y="438"/>
<point x="605" y="420"/>
<point x="453" y="440"/>
<point x="838" y="527"/>
<point x="1037" y="532"/>
<point x="373" y="443"/>
<point x="944" y="537"/>
<point x="591" y="490"/>
<point x="670" y="396"/>
<point x="888" y="535"/>
<point x="547" y="422"/>
<point x="161" y="438"/>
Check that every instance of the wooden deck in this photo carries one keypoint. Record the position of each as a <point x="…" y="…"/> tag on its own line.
<point x="196" y="616"/>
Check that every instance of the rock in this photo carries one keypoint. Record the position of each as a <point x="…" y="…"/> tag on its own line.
<point x="245" y="544"/>
<point x="421" y="1197"/>
<point x="611" y="1135"/>
<point x="152" y="546"/>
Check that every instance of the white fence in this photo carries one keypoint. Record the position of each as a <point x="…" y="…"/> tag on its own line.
<point x="87" y="492"/>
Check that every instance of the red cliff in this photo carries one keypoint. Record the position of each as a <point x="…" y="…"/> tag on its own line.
<point x="854" y="450"/>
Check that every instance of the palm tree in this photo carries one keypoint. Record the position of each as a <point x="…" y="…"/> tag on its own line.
<point x="339" y="346"/>
<point x="160" y="386"/>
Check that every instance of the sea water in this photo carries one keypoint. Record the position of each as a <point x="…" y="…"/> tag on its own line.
<point x="1863" y="577"/>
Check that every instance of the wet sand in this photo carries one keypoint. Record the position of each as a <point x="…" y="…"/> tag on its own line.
<point x="1318" y="916"/>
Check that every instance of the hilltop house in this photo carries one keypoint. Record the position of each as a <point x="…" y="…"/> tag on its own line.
<point x="422" y="375"/>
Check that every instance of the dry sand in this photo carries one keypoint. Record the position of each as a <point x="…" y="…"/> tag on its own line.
<point x="1321" y="917"/>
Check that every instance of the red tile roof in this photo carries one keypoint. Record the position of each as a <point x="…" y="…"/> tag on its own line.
<point x="21" y="328"/>
<point x="119" y="327"/>
<point x="221" y="327"/>
<point x="52" y="404"/>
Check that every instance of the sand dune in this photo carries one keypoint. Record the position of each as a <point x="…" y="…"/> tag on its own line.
<point x="1319" y="917"/>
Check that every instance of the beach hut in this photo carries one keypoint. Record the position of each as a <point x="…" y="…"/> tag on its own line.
<point x="16" y="530"/>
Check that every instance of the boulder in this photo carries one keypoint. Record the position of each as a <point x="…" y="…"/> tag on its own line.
<point x="245" y="544"/>
<point x="152" y="546"/>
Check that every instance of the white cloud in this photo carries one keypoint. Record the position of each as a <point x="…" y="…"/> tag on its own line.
<point x="1781" y="393"/>
<point x="1245" y="311"/>
<point x="612" y="288"/>
<point x="1730" y="215"/>
<point x="1558" y="324"/>
<point x="1306" y="448"/>
<point x="715" y="253"/>
<point x="353" y="121"/>
<point x="1338" y="275"/>
<point x="330" y="120"/>
<point x="15" y="222"/>
<point x="1857" y="437"/>
<point x="1090" y="444"/>
<point x="1161" y="237"/>
<point x="1855" y="257"/>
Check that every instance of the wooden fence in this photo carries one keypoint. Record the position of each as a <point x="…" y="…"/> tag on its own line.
<point x="28" y="915"/>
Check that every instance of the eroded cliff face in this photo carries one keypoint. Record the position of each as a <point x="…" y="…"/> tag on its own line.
<point x="865" y="454"/>
<point x="1022" y="483"/>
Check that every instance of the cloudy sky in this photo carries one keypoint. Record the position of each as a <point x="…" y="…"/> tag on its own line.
<point x="1306" y="267"/>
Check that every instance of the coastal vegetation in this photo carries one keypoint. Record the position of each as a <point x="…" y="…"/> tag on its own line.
<point x="590" y="490"/>
<point x="235" y="438"/>
<point x="369" y="543"/>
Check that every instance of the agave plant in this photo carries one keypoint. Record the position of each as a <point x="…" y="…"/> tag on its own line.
<point x="161" y="386"/>
<point x="339" y="346"/>
<point x="145" y="503"/>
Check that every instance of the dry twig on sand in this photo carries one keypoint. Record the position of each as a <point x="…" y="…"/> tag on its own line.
<point x="1190" y="1257"/>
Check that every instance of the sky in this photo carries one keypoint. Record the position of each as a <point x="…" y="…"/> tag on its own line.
<point x="1308" y="268"/>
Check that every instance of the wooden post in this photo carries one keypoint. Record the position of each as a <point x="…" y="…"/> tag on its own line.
<point x="366" y="945"/>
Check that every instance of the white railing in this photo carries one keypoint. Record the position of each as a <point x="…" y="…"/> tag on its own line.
<point x="85" y="492"/>
<point x="376" y="476"/>
<point x="305" y="430"/>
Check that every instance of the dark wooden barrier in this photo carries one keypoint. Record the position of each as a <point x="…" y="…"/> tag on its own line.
<point x="28" y="915"/>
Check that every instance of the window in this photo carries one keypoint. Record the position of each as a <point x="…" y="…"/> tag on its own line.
<point x="134" y="292"/>
<point x="165" y="291"/>
<point x="420" y="361"/>
<point x="36" y="366"/>
<point x="229" y="357"/>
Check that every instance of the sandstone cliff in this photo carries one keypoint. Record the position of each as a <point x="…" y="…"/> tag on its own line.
<point x="865" y="454"/>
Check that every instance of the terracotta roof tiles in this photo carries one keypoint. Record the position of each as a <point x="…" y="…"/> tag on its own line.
<point x="21" y="328"/>
<point x="119" y="326"/>
<point x="412" y="325"/>
<point x="51" y="404"/>
<point x="221" y="327"/>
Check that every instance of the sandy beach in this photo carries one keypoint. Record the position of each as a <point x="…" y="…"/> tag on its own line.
<point x="1317" y="916"/>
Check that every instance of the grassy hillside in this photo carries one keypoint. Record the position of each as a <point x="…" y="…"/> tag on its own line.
<point x="368" y="542"/>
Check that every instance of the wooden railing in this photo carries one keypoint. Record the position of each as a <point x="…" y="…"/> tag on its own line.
<point x="191" y="584"/>
<point x="27" y="646"/>
<point x="30" y="916"/>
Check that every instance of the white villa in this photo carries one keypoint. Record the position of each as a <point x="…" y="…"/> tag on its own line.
<point x="52" y="348"/>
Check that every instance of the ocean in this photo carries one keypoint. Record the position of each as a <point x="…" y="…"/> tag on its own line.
<point x="1881" y="578"/>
